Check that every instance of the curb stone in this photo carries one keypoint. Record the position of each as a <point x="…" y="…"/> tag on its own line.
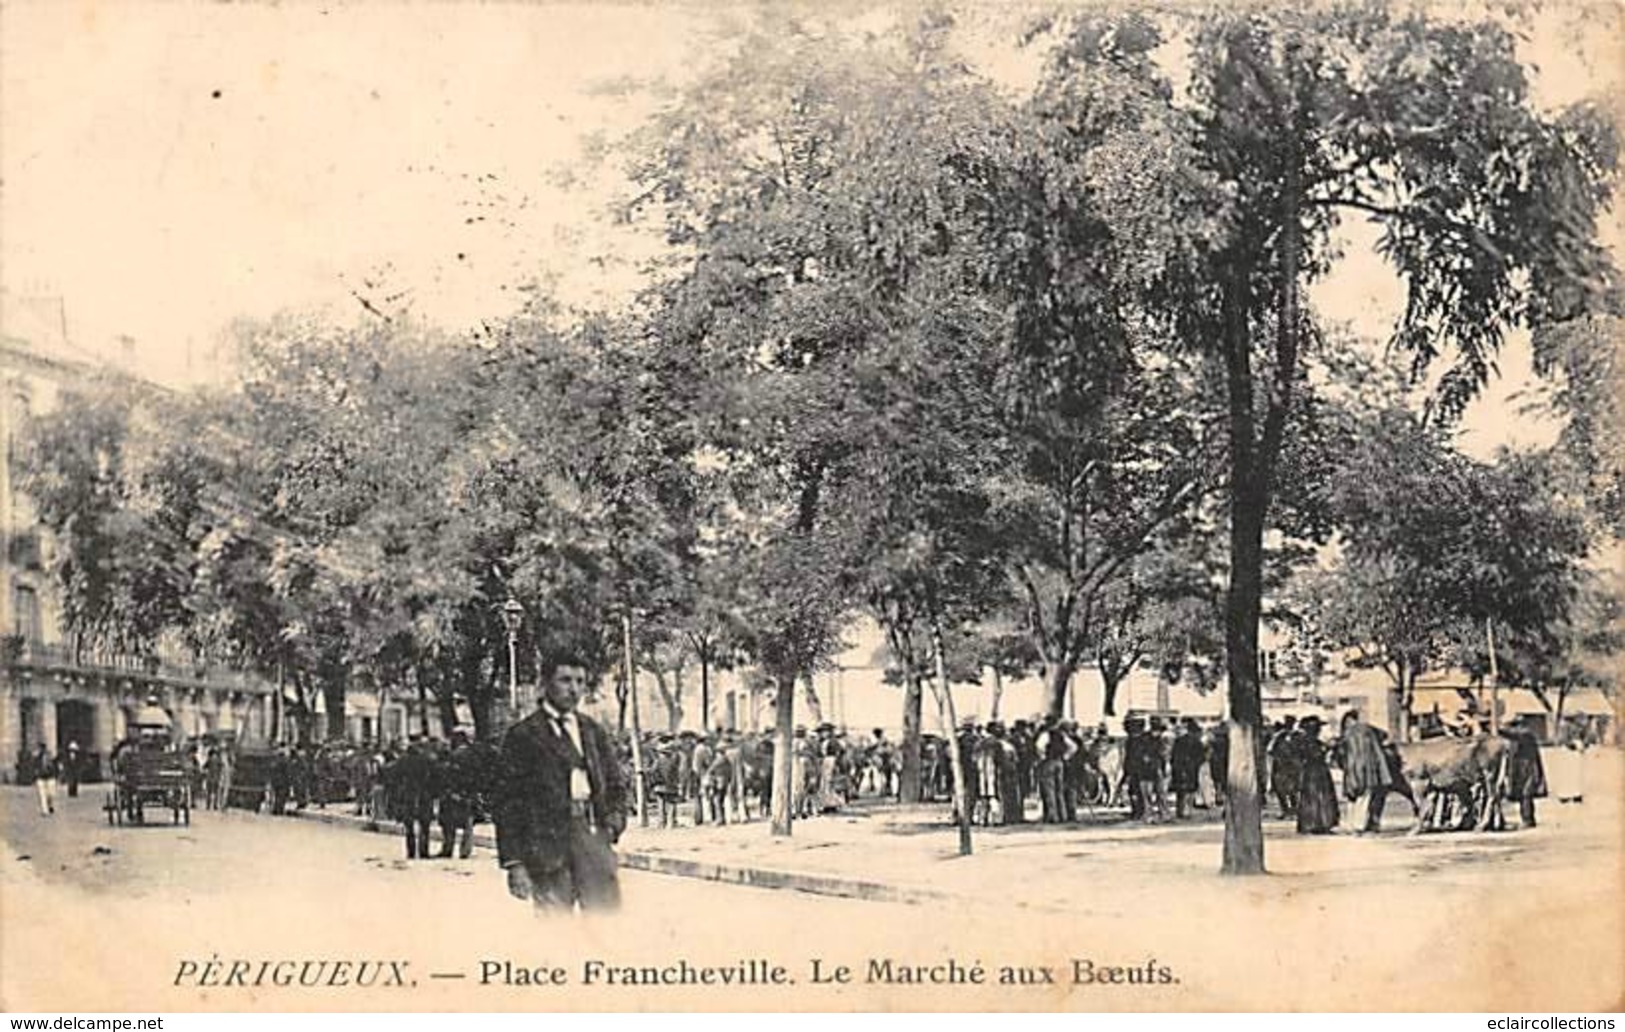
<point x="705" y="870"/>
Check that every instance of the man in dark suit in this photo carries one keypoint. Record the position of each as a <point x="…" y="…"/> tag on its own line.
<point x="561" y="801"/>
<point x="411" y="786"/>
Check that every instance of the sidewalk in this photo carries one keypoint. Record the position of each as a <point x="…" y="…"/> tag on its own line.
<point x="1105" y="866"/>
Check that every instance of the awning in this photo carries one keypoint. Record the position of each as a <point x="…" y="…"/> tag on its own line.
<point x="1588" y="702"/>
<point x="153" y="715"/>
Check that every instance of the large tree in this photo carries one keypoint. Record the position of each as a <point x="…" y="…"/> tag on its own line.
<point x="812" y="180"/>
<point x="120" y="512"/>
<point x="1485" y="207"/>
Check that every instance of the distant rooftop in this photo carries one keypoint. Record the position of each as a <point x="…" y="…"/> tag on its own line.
<point x="37" y="325"/>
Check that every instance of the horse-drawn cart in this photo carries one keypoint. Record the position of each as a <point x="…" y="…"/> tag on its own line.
<point x="145" y="777"/>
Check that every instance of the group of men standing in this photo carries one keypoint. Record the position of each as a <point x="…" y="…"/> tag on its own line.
<point x="1068" y="767"/>
<point x="721" y="775"/>
<point x="705" y="771"/>
<point x="434" y="783"/>
<point x="1299" y="765"/>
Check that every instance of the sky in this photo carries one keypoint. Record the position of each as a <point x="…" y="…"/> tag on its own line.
<point x="168" y="167"/>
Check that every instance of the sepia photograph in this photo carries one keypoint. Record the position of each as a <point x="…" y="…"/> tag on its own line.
<point x="739" y="507"/>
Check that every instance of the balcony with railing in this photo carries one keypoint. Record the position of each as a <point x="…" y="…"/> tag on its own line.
<point x="166" y="665"/>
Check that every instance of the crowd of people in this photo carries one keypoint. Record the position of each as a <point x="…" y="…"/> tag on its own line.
<point x="1045" y="769"/>
<point x="1068" y="769"/>
<point x="724" y="776"/>
<point x="720" y="777"/>
<point x="420" y="784"/>
<point x="1054" y="770"/>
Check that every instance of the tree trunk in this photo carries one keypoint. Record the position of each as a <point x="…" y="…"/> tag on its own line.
<point x="423" y="704"/>
<point x="1055" y="689"/>
<point x="900" y="636"/>
<point x="672" y="700"/>
<point x="622" y="692"/>
<point x="998" y="692"/>
<point x="1396" y="713"/>
<point x="279" y="711"/>
<point x="815" y="709"/>
<point x="945" y="700"/>
<point x="1244" y="807"/>
<point x="1407" y="701"/>
<point x="448" y="708"/>
<point x="784" y="718"/>
<point x="705" y="692"/>
<point x="333" y="696"/>
<point x="486" y="728"/>
<point x="1243" y="812"/>
<point x="909" y="786"/>
<point x="639" y="797"/>
<point x="1110" y="680"/>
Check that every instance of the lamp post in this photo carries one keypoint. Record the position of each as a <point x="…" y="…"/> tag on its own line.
<point x="513" y="617"/>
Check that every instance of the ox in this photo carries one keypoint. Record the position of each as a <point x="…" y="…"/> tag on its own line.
<point x="1471" y="771"/>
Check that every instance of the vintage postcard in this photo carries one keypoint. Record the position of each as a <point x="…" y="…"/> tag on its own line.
<point x="734" y="507"/>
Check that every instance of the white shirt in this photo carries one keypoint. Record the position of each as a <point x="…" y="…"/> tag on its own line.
<point x="580" y="786"/>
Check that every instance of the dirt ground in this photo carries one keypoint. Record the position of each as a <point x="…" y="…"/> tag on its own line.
<point x="100" y="918"/>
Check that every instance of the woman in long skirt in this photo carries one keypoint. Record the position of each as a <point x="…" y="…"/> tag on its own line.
<point x="1317" y="797"/>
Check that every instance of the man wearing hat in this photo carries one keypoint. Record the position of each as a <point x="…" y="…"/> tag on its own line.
<point x="1007" y="775"/>
<point x="459" y="789"/>
<point x="1055" y="749"/>
<point x="1284" y="773"/>
<point x="72" y="764"/>
<point x="411" y="790"/>
<point x="715" y="781"/>
<point x="700" y="762"/>
<point x="1366" y="775"/>
<point x="969" y="738"/>
<point x="1185" y="765"/>
<point x="1142" y="768"/>
<point x="45" y="771"/>
<point x="666" y="779"/>
<point x="1526" y="774"/>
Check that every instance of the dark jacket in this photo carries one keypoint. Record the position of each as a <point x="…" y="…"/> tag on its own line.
<point x="1526" y="774"/>
<point x="1186" y="762"/>
<point x="45" y="766"/>
<point x="410" y="784"/>
<point x="532" y="806"/>
<point x="1142" y="757"/>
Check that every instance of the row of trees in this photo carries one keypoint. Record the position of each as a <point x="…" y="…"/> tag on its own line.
<point x="1024" y="379"/>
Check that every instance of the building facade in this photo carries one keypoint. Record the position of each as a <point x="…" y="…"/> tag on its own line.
<point x="53" y="689"/>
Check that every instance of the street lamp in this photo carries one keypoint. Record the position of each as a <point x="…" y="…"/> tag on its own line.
<point x="513" y="617"/>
